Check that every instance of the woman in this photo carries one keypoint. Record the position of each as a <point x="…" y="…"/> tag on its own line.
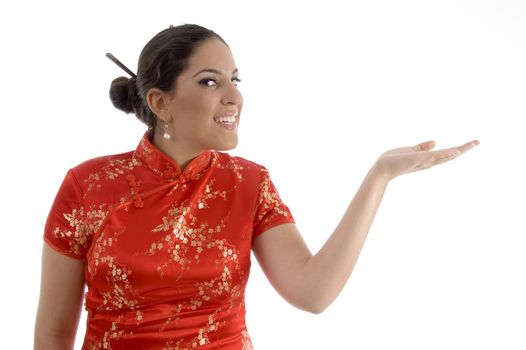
<point x="162" y="235"/>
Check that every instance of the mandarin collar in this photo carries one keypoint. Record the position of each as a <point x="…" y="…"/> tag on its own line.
<point x="166" y="167"/>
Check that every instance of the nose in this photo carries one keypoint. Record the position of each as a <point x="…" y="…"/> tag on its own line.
<point x="232" y="95"/>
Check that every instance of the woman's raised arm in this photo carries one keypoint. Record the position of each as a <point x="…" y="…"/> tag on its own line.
<point x="312" y="282"/>
<point x="60" y="304"/>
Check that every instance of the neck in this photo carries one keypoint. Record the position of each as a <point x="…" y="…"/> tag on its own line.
<point x="180" y="154"/>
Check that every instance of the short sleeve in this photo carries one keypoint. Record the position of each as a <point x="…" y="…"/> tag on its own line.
<point x="270" y="210"/>
<point x="66" y="229"/>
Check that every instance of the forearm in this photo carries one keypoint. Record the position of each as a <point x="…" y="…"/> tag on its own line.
<point x="326" y="273"/>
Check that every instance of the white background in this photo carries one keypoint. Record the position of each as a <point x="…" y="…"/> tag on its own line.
<point x="327" y="88"/>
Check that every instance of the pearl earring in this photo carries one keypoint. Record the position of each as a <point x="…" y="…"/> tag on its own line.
<point x="166" y="134"/>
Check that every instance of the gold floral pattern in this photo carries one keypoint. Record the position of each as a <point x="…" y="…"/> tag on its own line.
<point x="84" y="224"/>
<point x="112" y="170"/>
<point x="167" y="252"/>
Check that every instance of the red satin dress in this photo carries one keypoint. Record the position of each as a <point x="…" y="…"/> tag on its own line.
<point x="166" y="253"/>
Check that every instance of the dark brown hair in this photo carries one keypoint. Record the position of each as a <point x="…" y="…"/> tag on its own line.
<point x="161" y="61"/>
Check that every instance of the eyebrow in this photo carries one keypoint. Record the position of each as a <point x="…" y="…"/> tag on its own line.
<point x="211" y="70"/>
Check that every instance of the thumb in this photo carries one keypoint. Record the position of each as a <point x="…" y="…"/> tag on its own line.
<point x="424" y="146"/>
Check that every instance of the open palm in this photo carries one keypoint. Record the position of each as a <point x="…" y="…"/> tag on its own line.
<point x="403" y="160"/>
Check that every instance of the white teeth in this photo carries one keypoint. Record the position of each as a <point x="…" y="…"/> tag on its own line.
<point x="227" y="120"/>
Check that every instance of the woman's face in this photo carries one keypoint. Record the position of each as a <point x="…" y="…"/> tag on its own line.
<point x="205" y="94"/>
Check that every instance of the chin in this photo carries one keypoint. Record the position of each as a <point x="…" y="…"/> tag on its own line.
<point x="226" y="146"/>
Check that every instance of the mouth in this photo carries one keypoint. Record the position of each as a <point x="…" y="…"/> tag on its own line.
<point x="226" y="119"/>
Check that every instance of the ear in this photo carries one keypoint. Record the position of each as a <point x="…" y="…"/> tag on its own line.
<point x="159" y="103"/>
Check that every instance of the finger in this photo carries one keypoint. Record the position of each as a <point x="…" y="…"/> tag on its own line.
<point x="424" y="146"/>
<point x="445" y="155"/>
<point x="466" y="147"/>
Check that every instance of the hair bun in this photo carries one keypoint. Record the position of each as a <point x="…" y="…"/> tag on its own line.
<point x="123" y="94"/>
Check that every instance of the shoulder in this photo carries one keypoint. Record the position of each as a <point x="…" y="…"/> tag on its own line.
<point x="251" y="172"/>
<point x="224" y="159"/>
<point x="102" y="164"/>
<point x="97" y="175"/>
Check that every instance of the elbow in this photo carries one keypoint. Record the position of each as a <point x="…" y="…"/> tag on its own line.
<point x="316" y="310"/>
<point x="314" y="305"/>
<point x="311" y="300"/>
<point x="42" y="341"/>
<point x="48" y="335"/>
<point x="309" y="294"/>
<point x="318" y="299"/>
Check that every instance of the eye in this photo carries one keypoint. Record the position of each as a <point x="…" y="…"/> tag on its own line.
<point x="212" y="82"/>
<point x="236" y="81"/>
<point x="208" y="82"/>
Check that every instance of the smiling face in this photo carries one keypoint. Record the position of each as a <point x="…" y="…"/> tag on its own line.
<point x="200" y="107"/>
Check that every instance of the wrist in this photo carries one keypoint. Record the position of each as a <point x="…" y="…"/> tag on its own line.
<point x="379" y="174"/>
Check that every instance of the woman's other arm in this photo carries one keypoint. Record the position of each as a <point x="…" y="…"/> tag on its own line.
<point x="60" y="303"/>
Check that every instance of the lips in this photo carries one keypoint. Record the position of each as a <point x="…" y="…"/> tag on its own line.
<point x="229" y="113"/>
<point x="227" y="121"/>
<point x="227" y="118"/>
